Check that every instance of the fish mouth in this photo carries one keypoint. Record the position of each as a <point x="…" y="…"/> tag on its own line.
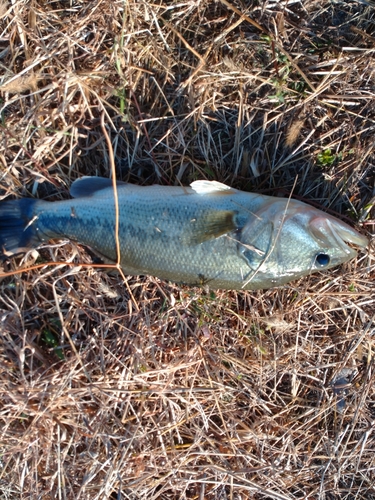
<point x="334" y="233"/>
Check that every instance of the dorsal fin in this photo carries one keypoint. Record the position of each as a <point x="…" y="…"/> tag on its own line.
<point x="210" y="187"/>
<point x="90" y="186"/>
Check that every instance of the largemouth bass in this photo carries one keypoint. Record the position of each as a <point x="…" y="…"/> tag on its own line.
<point x="205" y="234"/>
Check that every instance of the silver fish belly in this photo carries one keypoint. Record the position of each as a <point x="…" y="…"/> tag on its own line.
<point x="205" y="234"/>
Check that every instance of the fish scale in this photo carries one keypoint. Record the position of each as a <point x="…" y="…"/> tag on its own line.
<point x="207" y="233"/>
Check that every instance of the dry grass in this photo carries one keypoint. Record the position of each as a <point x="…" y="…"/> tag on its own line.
<point x="174" y="392"/>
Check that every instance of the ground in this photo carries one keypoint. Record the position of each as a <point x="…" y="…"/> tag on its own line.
<point x="135" y="388"/>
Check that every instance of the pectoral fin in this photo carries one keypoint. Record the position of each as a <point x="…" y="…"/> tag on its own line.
<point x="210" y="225"/>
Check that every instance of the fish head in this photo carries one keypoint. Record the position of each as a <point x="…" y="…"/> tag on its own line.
<point x="290" y="239"/>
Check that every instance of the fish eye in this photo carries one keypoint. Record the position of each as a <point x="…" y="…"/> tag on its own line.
<point x="322" y="259"/>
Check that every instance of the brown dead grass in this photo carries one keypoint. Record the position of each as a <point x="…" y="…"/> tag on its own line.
<point x="170" y="392"/>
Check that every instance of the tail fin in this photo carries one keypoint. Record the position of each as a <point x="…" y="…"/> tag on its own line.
<point x="17" y="231"/>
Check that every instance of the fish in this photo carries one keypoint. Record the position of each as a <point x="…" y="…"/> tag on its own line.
<point x="206" y="234"/>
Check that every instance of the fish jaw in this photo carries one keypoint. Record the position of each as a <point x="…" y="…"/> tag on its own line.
<point x="296" y="240"/>
<point x="335" y="233"/>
